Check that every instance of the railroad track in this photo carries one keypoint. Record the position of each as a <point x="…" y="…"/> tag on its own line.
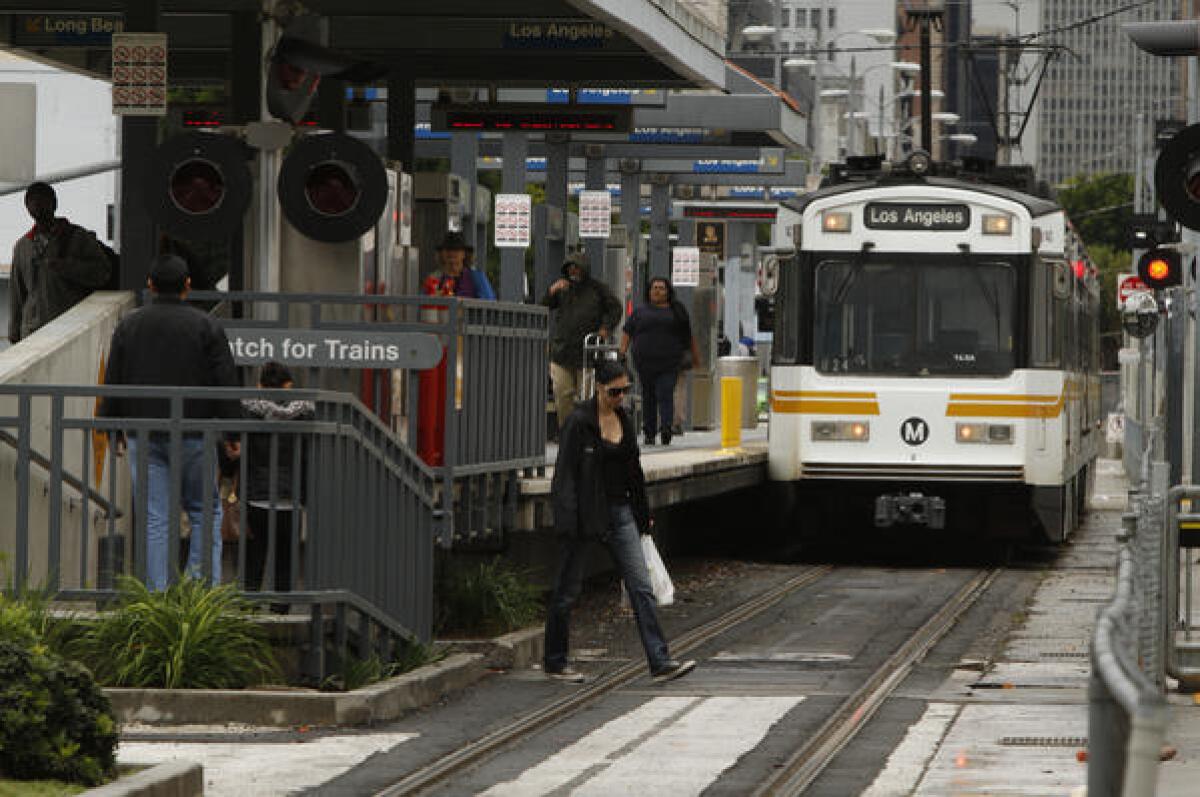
<point x="529" y="724"/>
<point x="803" y="767"/>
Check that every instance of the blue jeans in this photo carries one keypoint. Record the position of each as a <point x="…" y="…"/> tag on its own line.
<point x="191" y="498"/>
<point x="658" y="400"/>
<point x="625" y="545"/>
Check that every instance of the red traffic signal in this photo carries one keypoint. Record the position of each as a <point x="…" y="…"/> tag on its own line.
<point x="1161" y="268"/>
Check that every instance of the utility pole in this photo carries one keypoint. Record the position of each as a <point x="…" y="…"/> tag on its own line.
<point x="926" y="18"/>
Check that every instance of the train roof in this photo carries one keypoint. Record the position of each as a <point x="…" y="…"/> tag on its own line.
<point x="1036" y="206"/>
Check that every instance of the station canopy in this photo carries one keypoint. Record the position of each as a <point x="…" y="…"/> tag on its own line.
<point x="601" y="43"/>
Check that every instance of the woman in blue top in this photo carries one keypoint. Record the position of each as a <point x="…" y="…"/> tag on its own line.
<point x="661" y="333"/>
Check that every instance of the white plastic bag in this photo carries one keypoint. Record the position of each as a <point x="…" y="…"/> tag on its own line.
<point x="660" y="579"/>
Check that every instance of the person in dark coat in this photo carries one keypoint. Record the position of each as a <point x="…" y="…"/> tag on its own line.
<point x="580" y="305"/>
<point x="599" y="495"/>
<point x="54" y="266"/>
<point x="170" y="343"/>
<point x="284" y="503"/>
<point x="661" y="334"/>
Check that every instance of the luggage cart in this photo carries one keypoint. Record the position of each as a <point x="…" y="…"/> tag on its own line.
<point x="595" y="349"/>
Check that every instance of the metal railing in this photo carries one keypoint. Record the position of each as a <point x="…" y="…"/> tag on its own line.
<point x="369" y="507"/>
<point x="1130" y="649"/>
<point x="496" y="362"/>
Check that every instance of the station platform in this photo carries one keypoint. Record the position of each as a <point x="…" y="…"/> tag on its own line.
<point x="692" y="467"/>
<point x="1018" y="725"/>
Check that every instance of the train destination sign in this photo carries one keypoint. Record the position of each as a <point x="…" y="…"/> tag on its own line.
<point x="916" y="216"/>
<point x="333" y="348"/>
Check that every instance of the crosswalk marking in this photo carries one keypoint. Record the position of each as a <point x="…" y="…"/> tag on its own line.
<point x="265" y="770"/>
<point x="669" y="745"/>
<point x="908" y="761"/>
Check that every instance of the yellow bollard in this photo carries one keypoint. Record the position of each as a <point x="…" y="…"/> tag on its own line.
<point x="731" y="412"/>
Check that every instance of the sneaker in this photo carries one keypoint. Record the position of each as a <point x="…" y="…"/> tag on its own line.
<point x="666" y="438"/>
<point x="649" y="439"/>
<point x="566" y="674"/>
<point x="672" y="670"/>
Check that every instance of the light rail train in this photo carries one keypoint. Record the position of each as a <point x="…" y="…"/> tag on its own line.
<point x="935" y="360"/>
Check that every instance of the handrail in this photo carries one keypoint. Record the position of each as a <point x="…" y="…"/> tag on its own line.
<point x="70" y="478"/>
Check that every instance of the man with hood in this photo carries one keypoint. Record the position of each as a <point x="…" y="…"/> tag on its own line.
<point x="54" y="266"/>
<point x="580" y="305"/>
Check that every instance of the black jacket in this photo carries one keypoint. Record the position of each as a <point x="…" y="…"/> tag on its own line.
<point x="169" y="343"/>
<point x="577" y="489"/>
<point x="258" y="455"/>
<point x="578" y="311"/>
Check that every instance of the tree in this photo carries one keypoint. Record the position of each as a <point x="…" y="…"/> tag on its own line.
<point x="1101" y="208"/>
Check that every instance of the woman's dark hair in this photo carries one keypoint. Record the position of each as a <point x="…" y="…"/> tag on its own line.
<point x="664" y="281"/>
<point x="274" y="375"/>
<point x="609" y="371"/>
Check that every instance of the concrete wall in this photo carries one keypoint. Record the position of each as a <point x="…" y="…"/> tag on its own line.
<point x="67" y="351"/>
<point x="74" y="127"/>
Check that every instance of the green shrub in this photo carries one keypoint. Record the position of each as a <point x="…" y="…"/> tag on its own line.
<point x="351" y="672"/>
<point x="188" y="637"/>
<point x="55" y="722"/>
<point x="16" y="624"/>
<point x="489" y="597"/>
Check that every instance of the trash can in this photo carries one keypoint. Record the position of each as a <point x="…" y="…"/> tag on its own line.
<point x="746" y="369"/>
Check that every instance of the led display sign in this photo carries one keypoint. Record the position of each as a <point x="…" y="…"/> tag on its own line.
<point x="735" y="212"/>
<point x="531" y="118"/>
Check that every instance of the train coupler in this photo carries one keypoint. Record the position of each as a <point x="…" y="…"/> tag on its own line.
<point x="912" y="509"/>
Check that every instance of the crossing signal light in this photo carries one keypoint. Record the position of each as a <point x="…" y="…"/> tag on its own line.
<point x="332" y="187"/>
<point x="1161" y="268"/>
<point x="299" y="61"/>
<point x="198" y="185"/>
<point x="1177" y="177"/>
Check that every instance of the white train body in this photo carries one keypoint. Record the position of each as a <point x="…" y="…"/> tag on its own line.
<point x="935" y="360"/>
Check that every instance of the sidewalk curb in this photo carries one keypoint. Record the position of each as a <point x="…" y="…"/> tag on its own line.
<point x="169" y="779"/>
<point x="378" y="702"/>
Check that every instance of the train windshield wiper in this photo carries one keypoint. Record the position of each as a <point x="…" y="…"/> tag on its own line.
<point x="851" y="276"/>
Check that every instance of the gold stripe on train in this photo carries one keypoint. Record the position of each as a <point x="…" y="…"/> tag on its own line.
<point x="981" y="410"/>
<point x="993" y="397"/>
<point x="819" y="407"/>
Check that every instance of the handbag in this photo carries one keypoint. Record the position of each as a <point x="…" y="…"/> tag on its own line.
<point x="660" y="579"/>
<point x="231" y="515"/>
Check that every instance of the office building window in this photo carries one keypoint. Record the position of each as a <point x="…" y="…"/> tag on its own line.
<point x="815" y="19"/>
<point x="832" y="18"/>
<point x="786" y="17"/>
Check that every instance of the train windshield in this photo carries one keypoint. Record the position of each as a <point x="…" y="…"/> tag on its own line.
<point x="915" y="318"/>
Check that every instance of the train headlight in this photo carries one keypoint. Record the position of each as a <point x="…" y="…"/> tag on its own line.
<point x="854" y="431"/>
<point x="835" y="221"/>
<point x="997" y="224"/>
<point x="1000" y="433"/>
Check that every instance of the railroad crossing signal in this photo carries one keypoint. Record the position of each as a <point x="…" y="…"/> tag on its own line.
<point x="1161" y="268"/>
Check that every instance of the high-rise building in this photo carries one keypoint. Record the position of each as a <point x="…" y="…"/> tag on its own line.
<point x="1097" y="86"/>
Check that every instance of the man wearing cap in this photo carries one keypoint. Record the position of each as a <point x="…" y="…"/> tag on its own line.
<point x="456" y="277"/>
<point x="171" y="343"/>
<point x="54" y="266"/>
<point x="581" y="305"/>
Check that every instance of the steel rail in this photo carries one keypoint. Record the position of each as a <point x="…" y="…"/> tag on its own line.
<point x="803" y="767"/>
<point x="478" y="750"/>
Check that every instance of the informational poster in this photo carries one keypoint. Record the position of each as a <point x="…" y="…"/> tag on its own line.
<point x="513" y="218"/>
<point x="139" y="74"/>
<point x="685" y="266"/>
<point x="710" y="237"/>
<point x="595" y="214"/>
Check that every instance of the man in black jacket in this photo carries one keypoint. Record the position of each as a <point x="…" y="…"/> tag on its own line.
<point x="171" y="343"/>
<point x="580" y="305"/>
<point x="54" y="266"/>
